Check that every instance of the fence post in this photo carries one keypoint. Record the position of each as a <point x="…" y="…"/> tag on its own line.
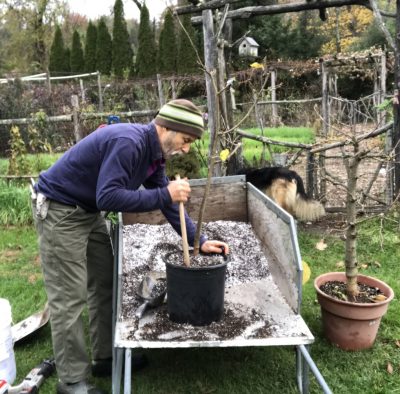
<point x="75" y="117"/>
<point x="273" y="98"/>
<point x="383" y="76"/>
<point x="82" y="89"/>
<point x="322" y="179"/>
<point x="160" y="91"/>
<point x="48" y="81"/>
<point x="101" y="108"/>
<point x="325" y="114"/>
<point x="210" y="57"/>
<point x="173" y="88"/>
<point x="310" y="174"/>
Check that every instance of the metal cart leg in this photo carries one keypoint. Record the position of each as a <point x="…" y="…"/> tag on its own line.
<point x="302" y="370"/>
<point x="302" y="367"/>
<point x="117" y="370"/>
<point x="128" y="369"/>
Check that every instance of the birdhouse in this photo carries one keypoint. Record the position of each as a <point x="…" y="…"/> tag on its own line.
<point x="248" y="47"/>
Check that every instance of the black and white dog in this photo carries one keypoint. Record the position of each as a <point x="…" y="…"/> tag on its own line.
<point x="286" y="188"/>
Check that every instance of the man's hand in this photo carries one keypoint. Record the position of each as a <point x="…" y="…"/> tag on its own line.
<point x="211" y="246"/>
<point x="179" y="190"/>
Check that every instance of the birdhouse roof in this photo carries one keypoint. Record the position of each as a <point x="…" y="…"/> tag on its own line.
<point x="251" y="41"/>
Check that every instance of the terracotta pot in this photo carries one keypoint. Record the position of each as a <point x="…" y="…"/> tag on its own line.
<point x="351" y="325"/>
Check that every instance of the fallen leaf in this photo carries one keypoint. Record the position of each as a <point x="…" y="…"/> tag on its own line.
<point x="306" y="272"/>
<point x="379" y="298"/>
<point x="397" y="343"/>
<point x="364" y="266"/>
<point x="377" y="264"/>
<point x="321" y="245"/>
<point x="340" y="264"/>
<point x="389" y="368"/>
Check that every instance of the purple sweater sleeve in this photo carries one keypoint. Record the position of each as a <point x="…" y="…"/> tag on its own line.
<point x="114" y="191"/>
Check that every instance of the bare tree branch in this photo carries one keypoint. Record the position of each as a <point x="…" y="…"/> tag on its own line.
<point x="382" y="26"/>
<point x="210" y="5"/>
<point x="247" y="12"/>
<point x="138" y="4"/>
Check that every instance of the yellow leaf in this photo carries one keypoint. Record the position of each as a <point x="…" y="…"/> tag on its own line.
<point x="321" y="245"/>
<point x="364" y="266"/>
<point x="389" y="368"/>
<point x="256" y="65"/>
<point x="224" y="154"/>
<point x="306" y="272"/>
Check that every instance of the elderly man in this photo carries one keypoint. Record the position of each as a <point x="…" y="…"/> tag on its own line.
<point x="103" y="172"/>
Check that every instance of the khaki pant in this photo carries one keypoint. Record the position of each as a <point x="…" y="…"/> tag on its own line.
<point x="77" y="263"/>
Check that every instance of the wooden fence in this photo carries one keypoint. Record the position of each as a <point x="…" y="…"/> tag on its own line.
<point x="311" y="161"/>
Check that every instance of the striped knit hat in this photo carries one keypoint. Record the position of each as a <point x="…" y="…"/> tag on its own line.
<point x="181" y="115"/>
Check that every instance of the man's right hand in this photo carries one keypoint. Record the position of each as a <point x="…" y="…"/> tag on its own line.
<point x="179" y="190"/>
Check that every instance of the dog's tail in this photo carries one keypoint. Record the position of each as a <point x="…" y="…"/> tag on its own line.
<point x="308" y="210"/>
<point x="305" y="208"/>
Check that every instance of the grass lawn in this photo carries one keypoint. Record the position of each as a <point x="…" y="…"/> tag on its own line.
<point x="234" y="370"/>
<point x="252" y="150"/>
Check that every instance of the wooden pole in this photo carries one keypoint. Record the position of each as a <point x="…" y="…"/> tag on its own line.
<point x="160" y="91"/>
<point x="210" y="57"/>
<point x="173" y="87"/>
<point x="396" y="105"/>
<point x="321" y="193"/>
<point x="383" y="76"/>
<point x="75" y="117"/>
<point x="82" y="90"/>
<point x="310" y="174"/>
<point x="236" y="160"/>
<point x="48" y="82"/>
<point x="273" y="98"/>
<point x="186" y="258"/>
<point x="101" y="108"/>
<point x="325" y="114"/>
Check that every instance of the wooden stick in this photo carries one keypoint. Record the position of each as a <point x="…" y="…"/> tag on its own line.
<point x="186" y="259"/>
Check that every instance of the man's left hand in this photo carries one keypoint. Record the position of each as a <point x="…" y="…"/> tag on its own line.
<point x="211" y="246"/>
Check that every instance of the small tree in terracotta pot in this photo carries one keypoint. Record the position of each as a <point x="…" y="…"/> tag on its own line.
<point x="348" y="323"/>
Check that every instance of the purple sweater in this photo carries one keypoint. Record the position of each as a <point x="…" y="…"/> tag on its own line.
<point x="104" y="171"/>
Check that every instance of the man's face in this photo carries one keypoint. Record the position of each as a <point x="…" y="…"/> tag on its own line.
<point x="176" y="143"/>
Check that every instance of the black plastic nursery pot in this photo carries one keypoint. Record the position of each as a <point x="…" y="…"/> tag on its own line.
<point x="195" y="295"/>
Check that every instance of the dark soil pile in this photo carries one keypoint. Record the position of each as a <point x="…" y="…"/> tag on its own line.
<point x="230" y="326"/>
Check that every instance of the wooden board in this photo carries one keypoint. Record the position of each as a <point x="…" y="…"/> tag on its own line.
<point x="227" y="201"/>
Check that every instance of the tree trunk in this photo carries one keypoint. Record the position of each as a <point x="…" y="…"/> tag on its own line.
<point x="38" y="28"/>
<point x="396" y="108"/>
<point x="351" y="231"/>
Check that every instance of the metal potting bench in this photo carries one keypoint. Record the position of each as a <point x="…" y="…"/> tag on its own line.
<point x="231" y="199"/>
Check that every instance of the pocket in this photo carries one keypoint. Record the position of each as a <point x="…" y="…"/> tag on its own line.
<point x="62" y="215"/>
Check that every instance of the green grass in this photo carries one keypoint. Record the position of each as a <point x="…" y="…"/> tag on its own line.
<point x="35" y="163"/>
<point x="15" y="206"/>
<point x="234" y="370"/>
<point x="253" y="150"/>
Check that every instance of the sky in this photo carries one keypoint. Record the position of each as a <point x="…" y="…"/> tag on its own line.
<point x="93" y="9"/>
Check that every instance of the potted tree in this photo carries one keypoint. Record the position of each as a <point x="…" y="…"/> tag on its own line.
<point x="352" y="305"/>
<point x="195" y="294"/>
